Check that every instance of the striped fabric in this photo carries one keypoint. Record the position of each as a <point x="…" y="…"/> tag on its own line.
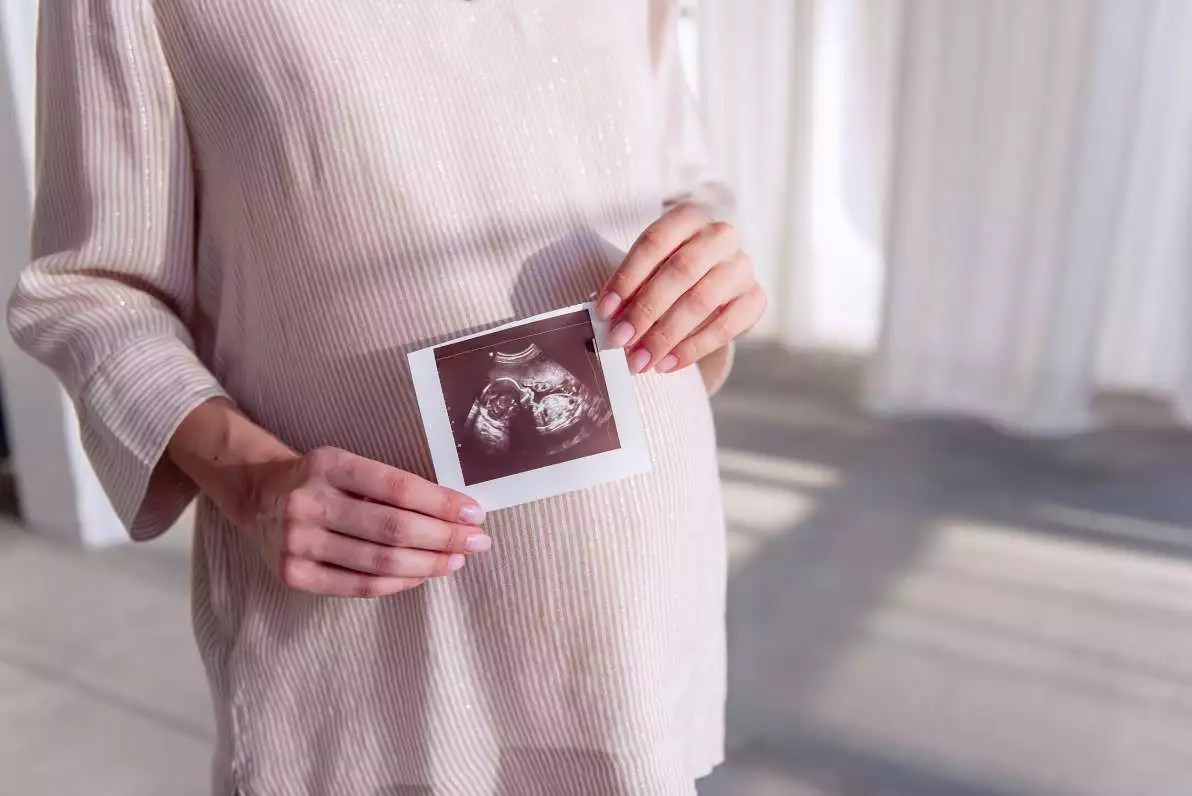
<point x="277" y="200"/>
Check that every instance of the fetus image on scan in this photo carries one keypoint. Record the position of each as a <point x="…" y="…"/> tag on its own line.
<point x="525" y="398"/>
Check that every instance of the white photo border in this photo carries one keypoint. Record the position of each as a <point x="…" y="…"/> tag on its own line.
<point x="631" y="458"/>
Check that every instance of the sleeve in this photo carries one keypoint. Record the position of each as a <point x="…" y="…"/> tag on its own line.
<point x="109" y="294"/>
<point x="688" y="176"/>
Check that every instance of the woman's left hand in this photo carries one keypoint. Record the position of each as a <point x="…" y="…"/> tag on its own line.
<point x="684" y="290"/>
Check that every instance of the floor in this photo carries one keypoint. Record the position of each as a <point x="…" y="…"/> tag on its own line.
<point x="918" y="607"/>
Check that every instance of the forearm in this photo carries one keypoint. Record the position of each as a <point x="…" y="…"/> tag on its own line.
<point x="227" y="455"/>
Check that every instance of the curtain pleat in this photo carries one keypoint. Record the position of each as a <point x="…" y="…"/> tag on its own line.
<point x="992" y="197"/>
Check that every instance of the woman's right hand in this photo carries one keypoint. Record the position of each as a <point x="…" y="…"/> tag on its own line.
<point x="327" y="522"/>
<point x="334" y="523"/>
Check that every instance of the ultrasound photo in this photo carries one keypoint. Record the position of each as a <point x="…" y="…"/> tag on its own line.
<point x="526" y="397"/>
<point x="531" y="409"/>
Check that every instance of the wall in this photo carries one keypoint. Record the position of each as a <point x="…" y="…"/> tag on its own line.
<point x="59" y="493"/>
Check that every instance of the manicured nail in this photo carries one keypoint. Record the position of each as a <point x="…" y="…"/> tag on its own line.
<point x="639" y="361"/>
<point x="667" y="364"/>
<point x="471" y="514"/>
<point x="621" y="334"/>
<point x="608" y="305"/>
<point x="478" y="543"/>
<point x="455" y="562"/>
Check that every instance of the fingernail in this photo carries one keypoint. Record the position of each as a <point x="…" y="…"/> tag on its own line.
<point x="639" y="361"/>
<point x="621" y="334"/>
<point x="455" y="562"/>
<point x="478" y="543"/>
<point x="667" y="364"/>
<point x="607" y="307"/>
<point x="473" y="515"/>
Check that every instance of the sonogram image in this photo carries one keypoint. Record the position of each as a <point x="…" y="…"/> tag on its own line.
<point x="526" y="397"/>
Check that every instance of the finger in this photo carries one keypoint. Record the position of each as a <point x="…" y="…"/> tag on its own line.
<point x="653" y="246"/>
<point x="329" y="581"/>
<point x="699" y="304"/>
<point x="371" y="479"/>
<point x="731" y="322"/>
<point x="386" y="525"/>
<point x="375" y="559"/>
<point x="681" y="271"/>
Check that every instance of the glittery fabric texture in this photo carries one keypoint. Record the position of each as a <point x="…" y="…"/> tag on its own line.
<point x="276" y="200"/>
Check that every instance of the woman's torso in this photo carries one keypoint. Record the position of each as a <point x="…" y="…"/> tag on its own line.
<point x="375" y="176"/>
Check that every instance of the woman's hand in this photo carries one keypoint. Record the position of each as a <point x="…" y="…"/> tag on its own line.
<point x="337" y="524"/>
<point x="328" y="522"/>
<point x="684" y="290"/>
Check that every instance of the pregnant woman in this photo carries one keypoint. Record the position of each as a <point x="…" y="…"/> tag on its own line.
<point x="248" y="213"/>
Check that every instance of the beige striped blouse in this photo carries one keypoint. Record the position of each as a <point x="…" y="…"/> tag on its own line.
<point x="276" y="200"/>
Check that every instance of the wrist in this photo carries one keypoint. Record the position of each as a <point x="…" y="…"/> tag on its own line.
<point x="229" y="457"/>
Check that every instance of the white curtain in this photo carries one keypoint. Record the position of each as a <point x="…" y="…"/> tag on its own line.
<point x="992" y="196"/>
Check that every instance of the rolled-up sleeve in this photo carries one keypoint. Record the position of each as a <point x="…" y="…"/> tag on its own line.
<point x="108" y="299"/>
<point x="689" y="175"/>
<point x="689" y="171"/>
